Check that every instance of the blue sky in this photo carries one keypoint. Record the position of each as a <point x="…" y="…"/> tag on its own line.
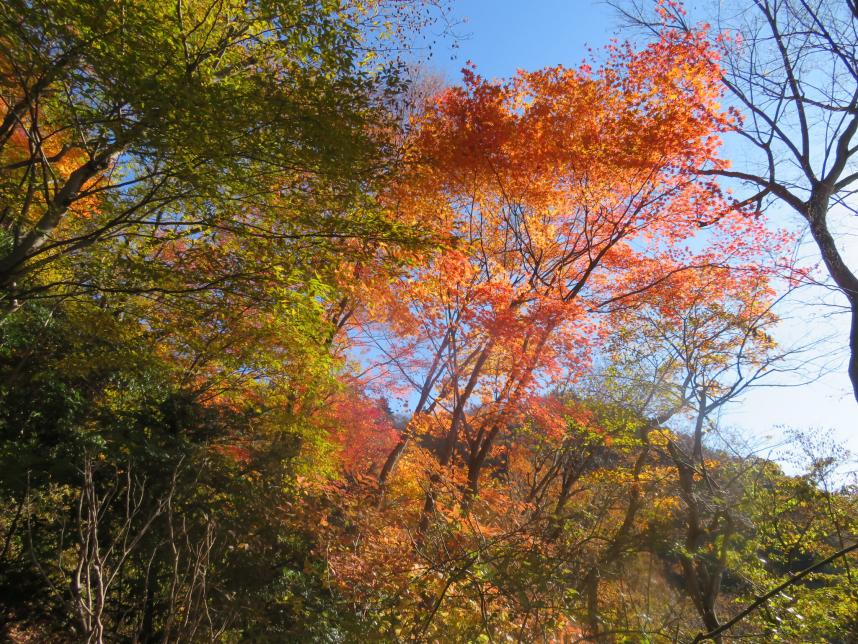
<point x="501" y="36"/>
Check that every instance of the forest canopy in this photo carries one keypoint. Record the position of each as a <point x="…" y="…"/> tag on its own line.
<point x="299" y="343"/>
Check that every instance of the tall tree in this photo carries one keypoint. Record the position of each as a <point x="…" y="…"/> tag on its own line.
<point x="563" y="194"/>
<point x="790" y="67"/>
<point x="147" y="121"/>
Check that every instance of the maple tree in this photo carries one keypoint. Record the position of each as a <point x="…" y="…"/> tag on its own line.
<point x="543" y="185"/>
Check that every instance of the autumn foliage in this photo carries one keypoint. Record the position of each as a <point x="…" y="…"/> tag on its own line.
<point x="342" y="374"/>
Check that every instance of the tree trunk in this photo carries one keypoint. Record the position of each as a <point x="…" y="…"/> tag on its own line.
<point x="845" y="279"/>
<point x="11" y="264"/>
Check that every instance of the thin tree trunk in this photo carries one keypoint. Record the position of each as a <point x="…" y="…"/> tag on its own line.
<point x="453" y="434"/>
<point x="398" y="449"/>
